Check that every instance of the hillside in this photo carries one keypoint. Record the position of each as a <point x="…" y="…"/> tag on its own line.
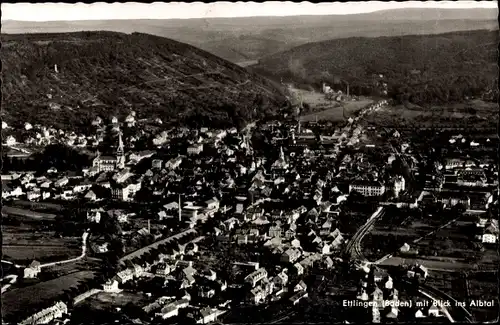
<point x="419" y="68"/>
<point x="249" y="38"/>
<point x="107" y="73"/>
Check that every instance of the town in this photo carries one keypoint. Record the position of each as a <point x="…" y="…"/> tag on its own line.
<point x="138" y="221"/>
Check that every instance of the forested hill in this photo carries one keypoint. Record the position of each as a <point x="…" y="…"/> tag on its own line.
<point x="108" y="73"/>
<point x="421" y="69"/>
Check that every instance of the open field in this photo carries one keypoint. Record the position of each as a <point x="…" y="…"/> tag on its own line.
<point x="23" y="243"/>
<point x="39" y="206"/>
<point x="105" y="300"/>
<point x="337" y="112"/>
<point x="474" y="113"/>
<point x="395" y="228"/>
<point x="446" y="242"/>
<point x="323" y="108"/>
<point x="27" y="213"/>
<point x="468" y="287"/>
<point x="483" y="286"/>
<point x="448" y="264"/>
<point x="29" y="297"/>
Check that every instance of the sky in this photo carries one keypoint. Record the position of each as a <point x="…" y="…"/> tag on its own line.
<point x="172" y="10"/>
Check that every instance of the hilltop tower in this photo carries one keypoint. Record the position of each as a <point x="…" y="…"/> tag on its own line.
<point x="120" y="153"/>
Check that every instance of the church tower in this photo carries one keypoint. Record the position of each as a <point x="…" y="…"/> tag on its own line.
<point x="120" y="154"/>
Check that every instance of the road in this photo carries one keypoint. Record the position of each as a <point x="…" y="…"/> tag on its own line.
<point x="84" y="252"/>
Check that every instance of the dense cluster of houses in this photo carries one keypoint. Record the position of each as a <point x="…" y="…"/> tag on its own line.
<point x="207" y="173"/>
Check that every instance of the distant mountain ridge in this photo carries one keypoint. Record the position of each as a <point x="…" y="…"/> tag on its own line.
<point x="69" y="78"/>
<point x="266" y="35"/>
<point x="418" y="68"/>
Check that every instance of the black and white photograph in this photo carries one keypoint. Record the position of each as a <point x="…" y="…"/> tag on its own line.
<point x="250" y="163"/>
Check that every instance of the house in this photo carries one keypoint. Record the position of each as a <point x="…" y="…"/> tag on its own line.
<point x="91" y="196"/>
<point x="32" y="270"/>
<point x="405" y="248"/>
<point x="388" y="283"/>
<point x="418" y="271"/>
<point x="367" y="188"/>
<point x="399" y="185"/>
<point x="211" y="275"/>
<point x="173" y="163"/>
<point x="393" y="313"/>
<point x="290" y="233"/>
<point x="490" y="234"/>
<point x="207" y="315"/>
<point x="111" y="286"/>
<point x="301" y="286"/>
<point x="125" y="192"/>
<point x="267" y="285"/>
<point x="163" y="269"/>
<point x="222" y="285"/>
<point x="256" y="276"/>
<point x="275" y="230"/>
<point x="212" y="206"/>
<point x="125" y="275"/>
<point x="378" y="274"/>
<point x="136" y="157"/>
<point x="328" y="262"/>
<point x="102" y="248"/>
<point x="33" y="195"/>
<point x="172" y="309"/>
<point x="419" y="314"/>
<point x="291" y="255"/>
<point x="94" y="215"/>
<point x="206" y="292"/>
<point x="451" y="199"/>
<point x="433" y="311"/>
<point x="281" y="279"/>
<point x="195" y="149"/>
<point x="257" y="295"/>
<point x="299" y="268"/>
<point x="8" y="191"/>
<point x="378" y="297"/>
<point x="273" y="242"/>
<point x="61" y="182"/>
<point x="324" y="248"/>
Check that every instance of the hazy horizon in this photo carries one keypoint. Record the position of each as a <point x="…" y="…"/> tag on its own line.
<point x="48" y="12"/>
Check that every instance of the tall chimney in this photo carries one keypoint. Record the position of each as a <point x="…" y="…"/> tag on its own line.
<point x="179" y="208"/>
<point x="149" y="226"/>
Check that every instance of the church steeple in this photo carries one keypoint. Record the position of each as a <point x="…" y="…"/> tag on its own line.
<point x="282" y="155"/>
<point x="120" y="153"/>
